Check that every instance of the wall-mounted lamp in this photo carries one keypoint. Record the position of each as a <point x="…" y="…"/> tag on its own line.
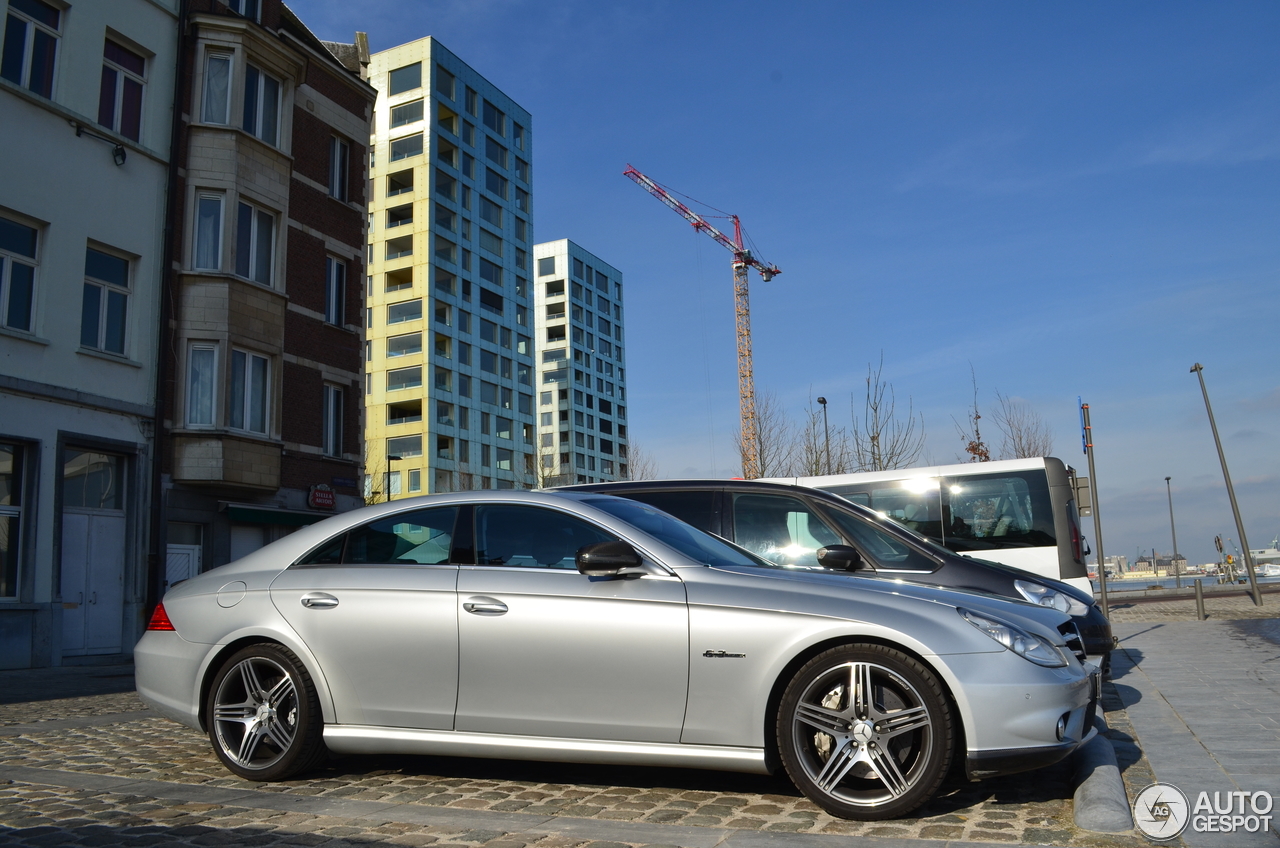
<point x="117" y="150"/>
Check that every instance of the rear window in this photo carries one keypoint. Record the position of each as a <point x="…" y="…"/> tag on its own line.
<point x="693" y="543"/>
<point x="696" y="508"/>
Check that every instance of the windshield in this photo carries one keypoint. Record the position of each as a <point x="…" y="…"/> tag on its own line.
<point x="690" y="541"/>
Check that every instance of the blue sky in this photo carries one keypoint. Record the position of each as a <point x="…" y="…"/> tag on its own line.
<point x="1074" y="199"/>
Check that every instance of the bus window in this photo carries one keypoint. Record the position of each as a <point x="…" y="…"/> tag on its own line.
<point x="999" y="511"/>
<point x="916" y="503"/>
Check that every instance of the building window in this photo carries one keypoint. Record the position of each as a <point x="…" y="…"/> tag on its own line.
<point x="404" y="446"/>
<point x="202" y="364"/>
<point x="415" y="479"/>
<point x="443" y="380"/>
<point x="445" y="250"/>
<point x="444" y="447"/>
<point x="445" y="82"/>
<point x="17" y="274"/>
<point x="469" y="133"/>
<point x="489" y="272"/>
<point x="248" y="396"/>
<point x="522" y="199"/>
<point x="495" y="153"/>
<point x="490" y="212"/>
<point x="404" y="378"/>
<point x="339" y="157"/>
<point x="490" y="242"/>
<point x="494" y="119"/>
<point x="472" y="101"/>
<point x="407" y="310"/>
<point x="105" y="303"/>
<point x="399" y="182"/>
<point x="261" y="104"/>
<point x="517" y="135"/>
<point x="11" y="493"/>
<point x="331" y="437"/>
<point x="335" y="291"/>
<point x="522" y="230"/>
<point x="120" y="98"/>
<point x="405" y="345"/>
<point x="31" y="45"/>
<point x="522" y="170"/>
<point x="406" y="113"/>
<point x="255" y="234"/>
<point x="245" y="8"/>
<point x="405" y="79"/>
<point x="495" y="183"/>
<point x="216" y="103"/>
<point x="447" y="118"/>
<point x="403" y="148"/>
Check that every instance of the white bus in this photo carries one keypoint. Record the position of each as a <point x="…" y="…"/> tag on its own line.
<point x="1020" y="512"/>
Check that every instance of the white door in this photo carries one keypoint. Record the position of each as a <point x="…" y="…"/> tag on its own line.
<point x="182" y="562"/>
<point x="93" y="546"/>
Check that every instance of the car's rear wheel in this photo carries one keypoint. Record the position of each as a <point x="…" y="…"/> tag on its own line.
<point x="865" y="731"/>
<point x="263" y="714"/>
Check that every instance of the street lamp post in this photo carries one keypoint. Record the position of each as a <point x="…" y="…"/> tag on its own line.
<point x="826" y="431"/>
<point x="386" y="483"/>
<point x="1198" y="370"/>
<point x="1177" y="573"/>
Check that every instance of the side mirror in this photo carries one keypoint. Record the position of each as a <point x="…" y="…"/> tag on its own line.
<point x="839" y="558"/>
<point x="606" y="559"/>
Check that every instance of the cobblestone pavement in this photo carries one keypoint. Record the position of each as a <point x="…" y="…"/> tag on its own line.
<point x="96" y="771"/>
<point x="1219" y="608"/>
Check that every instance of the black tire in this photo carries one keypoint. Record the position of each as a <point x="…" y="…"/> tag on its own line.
<point x="838" y="745"/>
<point x="264" y="716"/>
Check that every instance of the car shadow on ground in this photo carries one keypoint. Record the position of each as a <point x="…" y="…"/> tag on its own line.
<point x="51" y="684"/>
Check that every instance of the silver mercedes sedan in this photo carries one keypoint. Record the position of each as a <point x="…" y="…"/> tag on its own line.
<point x="580" y="627"/>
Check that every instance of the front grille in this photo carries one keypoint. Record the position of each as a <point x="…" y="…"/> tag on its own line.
<point x="1071" y="636"/>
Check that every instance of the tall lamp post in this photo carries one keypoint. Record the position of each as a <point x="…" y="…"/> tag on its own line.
<point x="826" y="431"/>
<point x="386" y="483"/>
<point x="1177" y="573"/>
<point x="1198" y="370"/>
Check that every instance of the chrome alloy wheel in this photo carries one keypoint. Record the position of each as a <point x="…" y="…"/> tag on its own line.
<point x="863" y="734"/>
<point x="255" y="713"/>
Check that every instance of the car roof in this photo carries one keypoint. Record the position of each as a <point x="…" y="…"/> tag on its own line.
<point x="700" y="484"/>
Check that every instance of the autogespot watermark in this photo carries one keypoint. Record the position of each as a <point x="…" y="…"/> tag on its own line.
<point x="1162" y="812"/>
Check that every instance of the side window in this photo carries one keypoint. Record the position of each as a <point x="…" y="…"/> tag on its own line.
<point x="915" y="503"/>
<point x="884" y="550"/>
<point x="1005" y="511"/>
<point x="781" y="529"/>
<point x="531" y="537"/>
<point x="422" y="537"/>
<point x="696" y="508"/>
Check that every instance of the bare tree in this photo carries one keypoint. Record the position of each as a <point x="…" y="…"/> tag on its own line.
<point x="820" y="449"/>
<point x="774" y="445"/>
<point x="971" y="432"/>
<point x="882" y="441"/>
<point x="1025" y="434"/>
<point x="640" y="465"/>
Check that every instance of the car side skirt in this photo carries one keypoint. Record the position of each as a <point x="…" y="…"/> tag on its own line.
<point x="362" y="739"/>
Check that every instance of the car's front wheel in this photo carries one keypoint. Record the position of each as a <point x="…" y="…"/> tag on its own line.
<point x="263" y="714"/>
<point x="865" y="731"/>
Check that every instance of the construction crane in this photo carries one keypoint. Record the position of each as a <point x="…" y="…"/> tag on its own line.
<point x="742" y="260"/>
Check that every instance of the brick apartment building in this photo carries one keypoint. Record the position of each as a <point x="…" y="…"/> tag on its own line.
<point x="262" y="385"/>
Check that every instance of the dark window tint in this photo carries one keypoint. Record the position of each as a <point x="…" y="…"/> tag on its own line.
<point x="988" y="511"/>
<point x="329" y="553"/>
<point x="531" y="537"/>
<point x="422" y="537"/>
<point x="696" y="508"/>
<point x="780" y="528"/>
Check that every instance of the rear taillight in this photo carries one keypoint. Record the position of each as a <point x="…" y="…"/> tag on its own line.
<point x="160" y="619"/>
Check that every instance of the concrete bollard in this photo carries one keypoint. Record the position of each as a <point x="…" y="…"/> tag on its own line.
<point x="1200" y="613"/>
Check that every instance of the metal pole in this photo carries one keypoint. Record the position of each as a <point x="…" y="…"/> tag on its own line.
<point x="1177" y="573"/>
<point x="386" y="481"/>
<point x="1200" y="613"/>
<point x="1097" y="507"/>
<point x="1198" y="370"/>
<point x="826" y="430"/>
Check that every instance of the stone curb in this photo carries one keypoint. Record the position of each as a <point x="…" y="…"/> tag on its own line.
<point x="1101" y="804"/>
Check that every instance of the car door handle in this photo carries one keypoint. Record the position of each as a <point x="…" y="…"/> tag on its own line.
<point x="484" y="606"/>
<point x="319" y="600"/>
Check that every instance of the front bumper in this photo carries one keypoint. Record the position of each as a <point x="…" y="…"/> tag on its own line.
<point x="1078" y="728"/>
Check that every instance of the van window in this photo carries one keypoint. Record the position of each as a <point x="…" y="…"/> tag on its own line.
<point x="1008" y="511"/>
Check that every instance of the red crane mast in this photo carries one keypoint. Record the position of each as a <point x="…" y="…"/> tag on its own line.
<point x="742" y="260"/>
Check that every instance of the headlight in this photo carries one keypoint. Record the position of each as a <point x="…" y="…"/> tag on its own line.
<point x="1026" y="645"/>
<point x="1045" y="596"/>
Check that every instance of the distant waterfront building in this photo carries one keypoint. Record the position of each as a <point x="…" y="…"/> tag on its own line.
<point x="1117" y="564"/>
<point x="582" y="394"/>
<point x="86" y="100"/>
<point x="449" y="351"/>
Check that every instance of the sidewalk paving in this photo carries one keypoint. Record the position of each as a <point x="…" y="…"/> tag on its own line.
<point x="1203" y="699"/>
